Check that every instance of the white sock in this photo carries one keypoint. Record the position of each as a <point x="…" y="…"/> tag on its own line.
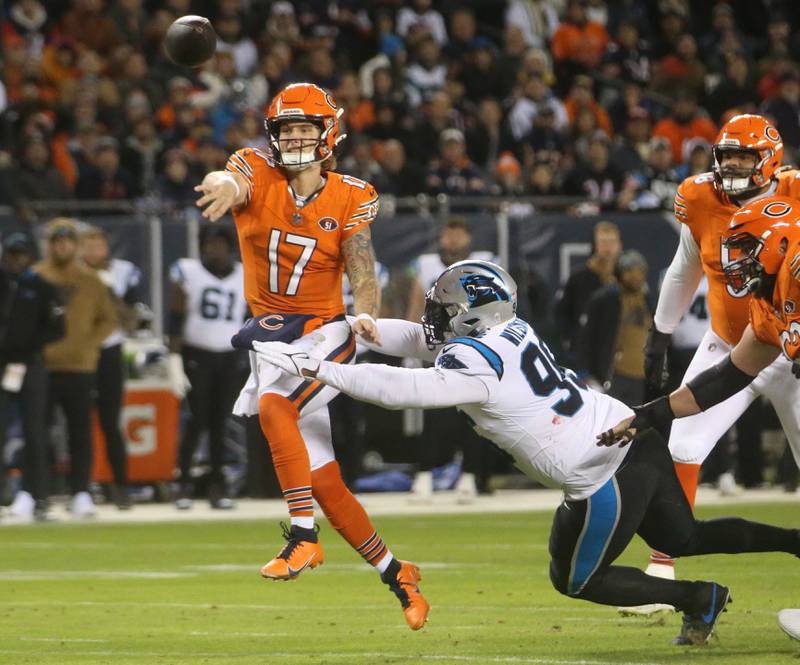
<point x="303" y="522"/>
<point x="383" y="564"/>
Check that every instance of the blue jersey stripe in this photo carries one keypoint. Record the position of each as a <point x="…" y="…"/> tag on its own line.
<point x="491" y="357"/>
<point x="602" y="516"/>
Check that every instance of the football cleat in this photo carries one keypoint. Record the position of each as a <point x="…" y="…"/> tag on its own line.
<point x="302" y="550"/>
<point x="405" y="586"/>
<point x="655" y="570"/>
<point x="697" y="628"/>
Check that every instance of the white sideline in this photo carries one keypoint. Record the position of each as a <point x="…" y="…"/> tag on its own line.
<point x="385" y="504"/>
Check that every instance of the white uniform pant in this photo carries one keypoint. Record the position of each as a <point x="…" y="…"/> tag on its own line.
<point x="692" y="439"/>
<point x="308" y="396"/>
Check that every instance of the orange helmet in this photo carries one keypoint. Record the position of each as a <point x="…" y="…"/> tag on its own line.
<point x="756" y="244"/>
<point x="750" y="134"/>
<point x="304" y="102"/>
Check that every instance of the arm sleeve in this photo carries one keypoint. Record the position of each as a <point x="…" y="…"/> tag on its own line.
<point x="401" y="388"/>
<point x="680" y="283"/>
<point x="399" y="338"/>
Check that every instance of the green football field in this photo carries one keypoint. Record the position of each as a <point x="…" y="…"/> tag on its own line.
<point x="191" y="593"/>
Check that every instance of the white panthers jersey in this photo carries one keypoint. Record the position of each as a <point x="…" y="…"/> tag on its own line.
<point x="537" y="411"/>
<point x="696" y="322"/>
<point x="124" y="278"/>
<point x="215" y="307"/>
<point x="428" y="267"/>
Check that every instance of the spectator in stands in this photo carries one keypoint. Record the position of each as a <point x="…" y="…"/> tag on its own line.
<point x="123" y="278"/>
<point x="463" y="31"/>
<point x="420" y="19"/>
<point x="600" y="181"/>
<point x="672" y="24"/>
<point x="398" y="177"/>
<point x="32" y="316"/>
<point x="582" y="283"/>
<point x="141" y="154"/>
<point x="578" y="43"/>
<point x="581" y="97"/>
<point x="784" y="109"/>
<point x="536" y="21"/>
<point x="360" y="162"/>
<point x="176" y="183"/>
<point x="439" y="115"/>
<point x="627" y="58"/>
<point x="544" y="140"/>
<point x="613" y="330"/>
<point x="508" y="174"/>
<point x="680" y="71"/>
<point x="452" y="172"/>
<point x="684" y="122"/>
<point x="107" y="179"/>
<point x="72" y="362"/>
<point x="479" y="74"/>
<point x="698" y="160"/>
<point x="510" y="59"/>
<point x="426" y="75"/>
<point x="485" y="136"/>
<point x="542" y="180"/>
<point x="232" y="40"/>
<point x="88" y="23"/>
<point x="632" y="147"/>
<point x="737" y="90"/>
<point x="658" y="181"/>
<point x="37" y="179"/>
<point x="535" y="96"/>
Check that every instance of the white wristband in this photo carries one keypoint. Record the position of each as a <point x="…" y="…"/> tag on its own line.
<point x="364" y="317"/>
<point x="229" y="178"/>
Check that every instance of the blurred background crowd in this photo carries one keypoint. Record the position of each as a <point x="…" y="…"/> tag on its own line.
<point x="611" y="102"/>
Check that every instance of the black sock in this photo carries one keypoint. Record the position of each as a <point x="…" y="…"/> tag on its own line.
<point x="300" y="533"/>
<point x="389" y="575"/>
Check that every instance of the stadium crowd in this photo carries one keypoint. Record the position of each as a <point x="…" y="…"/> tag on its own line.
<point x="614" y="102"/>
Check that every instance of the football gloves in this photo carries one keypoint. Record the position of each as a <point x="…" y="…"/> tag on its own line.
<point x="656" y="414"/>
<point x="656" y="372"/>
<point x="290" y="359"/>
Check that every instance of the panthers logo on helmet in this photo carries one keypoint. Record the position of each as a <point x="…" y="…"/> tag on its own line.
<point x="482" y="289"/>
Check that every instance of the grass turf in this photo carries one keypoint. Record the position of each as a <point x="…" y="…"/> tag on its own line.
<point x="191" y="593"/>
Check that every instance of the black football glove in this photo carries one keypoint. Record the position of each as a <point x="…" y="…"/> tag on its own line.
<point x="656" y="414"/>
<point x="656" y="372"/>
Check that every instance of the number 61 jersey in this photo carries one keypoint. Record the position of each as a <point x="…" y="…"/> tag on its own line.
<point x="536" y="411"/>
<point x="292" y="253"/>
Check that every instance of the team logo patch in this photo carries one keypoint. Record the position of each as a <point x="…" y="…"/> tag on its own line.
<point x="789" y="306"/>
<point x="777" y="209"/>
<point x="328" y="224"/>
<point x="271" y="322"/>
<point x="772" y="133"/>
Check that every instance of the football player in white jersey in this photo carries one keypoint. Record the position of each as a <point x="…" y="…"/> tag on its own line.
<point x="492" y="366"/>
<point x="124" y="280"/>
<point x="207" y="309"/>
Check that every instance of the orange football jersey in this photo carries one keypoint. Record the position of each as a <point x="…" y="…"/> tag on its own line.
<point x="292" y="256"/>
<point x="707" y="211"/>
<point x="777" y="322"/>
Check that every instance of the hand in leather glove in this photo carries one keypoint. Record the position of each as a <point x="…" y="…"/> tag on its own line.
<point x="656" y="372"/>
<point x="656" y="414"/>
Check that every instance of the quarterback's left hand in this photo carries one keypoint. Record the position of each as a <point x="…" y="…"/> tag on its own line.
<point x="366" y="327"/>
<point x="288" y="358"/>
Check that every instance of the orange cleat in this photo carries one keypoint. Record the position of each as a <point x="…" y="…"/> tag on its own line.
<point x="302" y="550"/>
<point x="404" y="585"/>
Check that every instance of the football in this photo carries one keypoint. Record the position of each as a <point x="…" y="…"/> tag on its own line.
<point x="190" y="41"/>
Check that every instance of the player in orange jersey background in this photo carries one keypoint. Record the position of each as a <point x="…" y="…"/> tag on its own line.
<point x="747" y="160"/>
<point x="300" y="225"/>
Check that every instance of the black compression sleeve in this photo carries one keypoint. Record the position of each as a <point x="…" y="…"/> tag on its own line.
<point x="718" y="383"/>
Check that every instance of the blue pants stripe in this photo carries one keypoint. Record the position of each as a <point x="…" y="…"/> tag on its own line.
<point x="600" y="522"/>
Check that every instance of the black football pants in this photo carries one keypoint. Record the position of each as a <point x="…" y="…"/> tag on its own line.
<point x="110" y="387"/>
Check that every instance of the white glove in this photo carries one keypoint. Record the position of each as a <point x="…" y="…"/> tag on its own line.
<point x="178" y="381"/>
<point x="290" y="359"/>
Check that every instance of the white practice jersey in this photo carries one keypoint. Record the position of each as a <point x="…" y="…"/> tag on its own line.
<point x="509" y="385"/>
<point x="124" y="279"/>
<point x="428" y="267"/>
<point x="696" y="322"/>
<point x="215" y="307"/>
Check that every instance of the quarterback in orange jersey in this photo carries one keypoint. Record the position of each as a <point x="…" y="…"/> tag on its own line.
<point x="746" y="167"/>
<point x="300" y="225"/>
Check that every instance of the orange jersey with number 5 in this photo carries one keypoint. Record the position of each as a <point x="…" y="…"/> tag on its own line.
<point x="707" y="212"/>
<point x="292" y="255"/>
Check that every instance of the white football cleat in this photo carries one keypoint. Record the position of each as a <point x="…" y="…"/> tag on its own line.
<point x="654" y="570"/>
<point x="81" y="506"/>
<point x="422" y="489"/>
<point x="466" y="489"/>
<point x="789" y="621"/>
<point x="21" y="510"/>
